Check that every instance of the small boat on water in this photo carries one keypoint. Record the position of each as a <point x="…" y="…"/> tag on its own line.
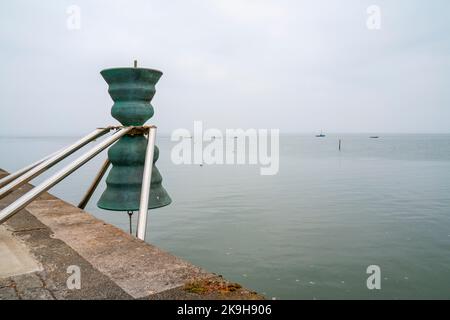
<point x="374" y="137"/>
<point x="321" y="135"/>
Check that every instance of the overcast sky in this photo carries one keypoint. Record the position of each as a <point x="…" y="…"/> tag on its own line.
<point x="300" y="66"/>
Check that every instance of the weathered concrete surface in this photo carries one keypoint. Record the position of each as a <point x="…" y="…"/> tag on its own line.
<point x="14" y="256"/>
<point x="114" y="265"/>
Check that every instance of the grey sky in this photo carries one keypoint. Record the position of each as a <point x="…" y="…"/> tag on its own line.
<point x="300" y="66"/>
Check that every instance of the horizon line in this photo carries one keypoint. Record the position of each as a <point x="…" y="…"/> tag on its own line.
<point x="166" y="134"/>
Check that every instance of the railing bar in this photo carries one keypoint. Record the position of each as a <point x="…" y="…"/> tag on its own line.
<point x="87" y="196"/>
<point x="23" y="201"/>
<point x="146" y="185"/>
<point x="46" y="164"/>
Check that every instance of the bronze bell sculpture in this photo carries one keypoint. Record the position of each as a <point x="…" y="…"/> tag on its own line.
<point x="131" y="89"/>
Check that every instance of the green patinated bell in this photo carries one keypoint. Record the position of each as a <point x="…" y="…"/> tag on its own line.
<point x="132" y="90"/>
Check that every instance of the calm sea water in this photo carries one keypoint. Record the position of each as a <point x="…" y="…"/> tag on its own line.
<point x="310" y="231"/>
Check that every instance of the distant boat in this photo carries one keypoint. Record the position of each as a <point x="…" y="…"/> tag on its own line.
<point x="374" y="137"/>
<point x="321" y="135"/>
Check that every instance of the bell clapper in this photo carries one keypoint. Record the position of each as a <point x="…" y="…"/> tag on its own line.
<point x="130" y="214"/>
